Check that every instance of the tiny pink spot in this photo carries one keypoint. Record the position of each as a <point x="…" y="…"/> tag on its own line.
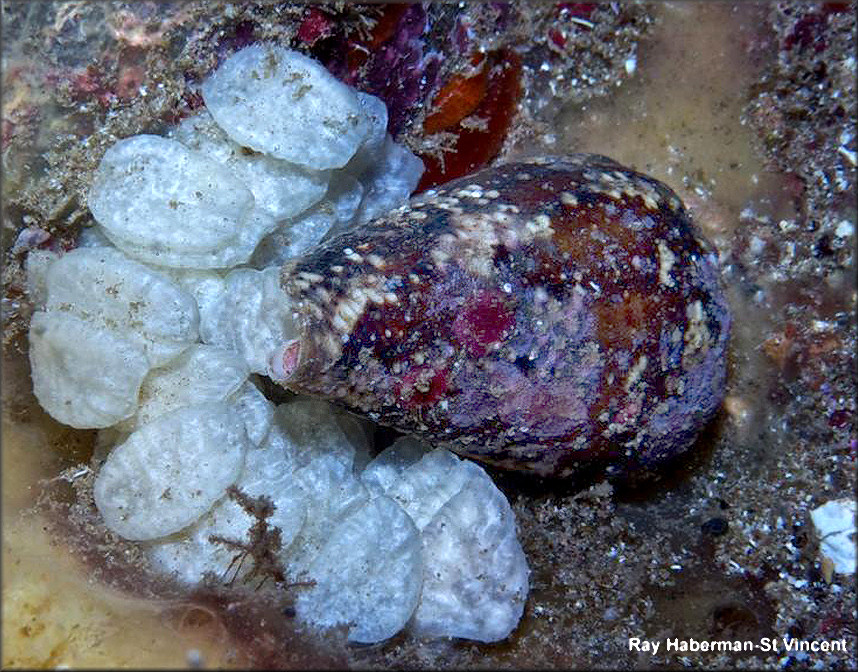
<point x="483" y="320"/>
<point x="285" y="360"/>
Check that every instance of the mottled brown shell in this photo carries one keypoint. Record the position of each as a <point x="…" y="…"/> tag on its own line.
<point x="535" y="315"/>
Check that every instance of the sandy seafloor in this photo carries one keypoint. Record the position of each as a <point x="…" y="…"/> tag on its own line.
<point x="748" y="111"/>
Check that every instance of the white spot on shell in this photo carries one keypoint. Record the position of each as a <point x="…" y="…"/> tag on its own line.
<point x="666" y="260"/>
<point x="636" y="372"/>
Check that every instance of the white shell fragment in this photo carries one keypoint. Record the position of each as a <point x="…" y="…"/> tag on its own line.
<point x="167" y="205"/>
<point x="316" y="428"/>
<point x="835" y="525"/>
<point x="202" y="374"/>
<point x="367" y="575"/>
<point x="311" y="488"/>
<point x="285" y="104"/>
<point x="372" y="149"/>
<point x="256" y="411"/>
<point x="335" y="212"/>
<point x="332" y="493"/>
<point x="252" y="316"/>
<point x="205" y="286"/>
<point x="425" y="486"/>
<point x="171" y="471"/>
<point x="37" y="264"/>
<point x="323" y="447"/>
<point x="389" y="180"/>
<point x="475" y="578"/>
<point x="84" y="376"/>
<point x="147" y="188"/>
<point x="105" y="288"/>
<point x="190" y="556"/>
<point x="93" y="236"/>
<point x="267" y="471"/>
<point x="386" y="468"/>
<point x="280" y="188"/>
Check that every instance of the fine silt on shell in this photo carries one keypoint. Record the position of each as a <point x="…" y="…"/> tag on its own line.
<point x="535" y="315"/>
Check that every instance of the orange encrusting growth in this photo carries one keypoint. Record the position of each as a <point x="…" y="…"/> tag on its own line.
<point x="476" y="144"/>
<point x="456" y="100"/>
